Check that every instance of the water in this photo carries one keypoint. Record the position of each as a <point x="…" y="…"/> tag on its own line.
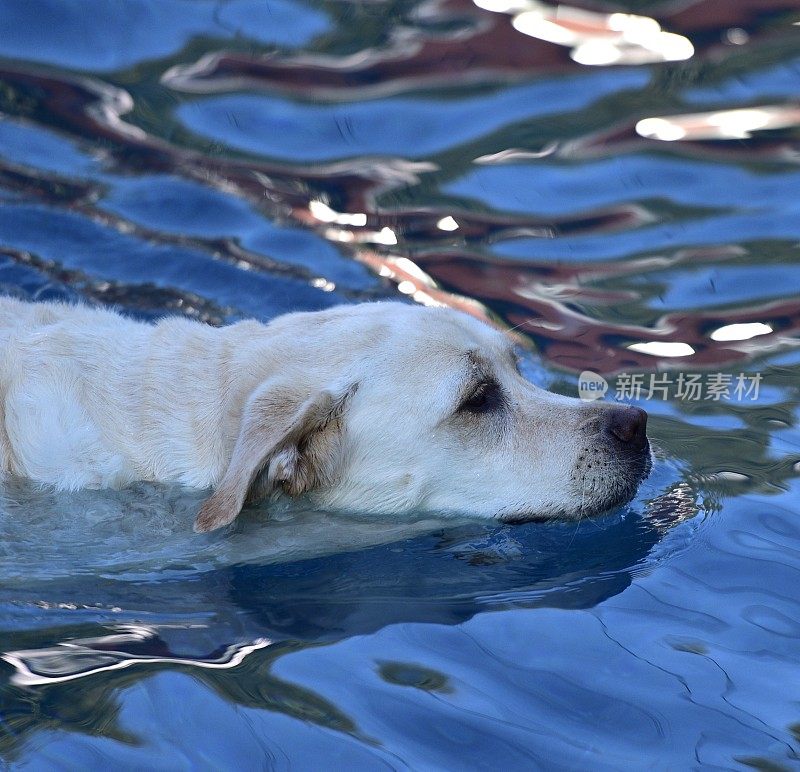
<point x="246" y="158"/>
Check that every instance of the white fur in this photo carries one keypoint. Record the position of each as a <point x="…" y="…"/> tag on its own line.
<point x="356" y="406"/>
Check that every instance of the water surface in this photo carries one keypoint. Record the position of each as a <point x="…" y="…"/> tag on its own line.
<point x="243" y="159"/>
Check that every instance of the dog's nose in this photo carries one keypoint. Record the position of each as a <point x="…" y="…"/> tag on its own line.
<point x="626" y="425"/>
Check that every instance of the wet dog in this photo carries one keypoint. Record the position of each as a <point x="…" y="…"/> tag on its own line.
<point x="374" y="408"/>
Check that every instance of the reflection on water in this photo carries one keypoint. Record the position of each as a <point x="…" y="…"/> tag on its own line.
<point x="595" y="38"/>
<point x="616" y="182"/>
<point x="727" y="124"/>
<point x="270" y="591"/>
<point x="81" y="658"/>
<point x="741" y="331"/>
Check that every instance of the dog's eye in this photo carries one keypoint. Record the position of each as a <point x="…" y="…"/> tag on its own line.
<point x="484" y="398"/>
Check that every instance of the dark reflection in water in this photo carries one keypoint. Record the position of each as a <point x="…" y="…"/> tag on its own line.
<point x="616" y="181"/>
<point x="226" y="625"/>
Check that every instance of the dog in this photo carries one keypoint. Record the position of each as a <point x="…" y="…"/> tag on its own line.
<point x="380" y="407"/>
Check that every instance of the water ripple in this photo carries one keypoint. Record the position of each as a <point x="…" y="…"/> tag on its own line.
<point x="249" y="158"/>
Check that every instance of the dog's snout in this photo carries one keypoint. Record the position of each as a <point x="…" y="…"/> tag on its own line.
<point x="626" y="426"/>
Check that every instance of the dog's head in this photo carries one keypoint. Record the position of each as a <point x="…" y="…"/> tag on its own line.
<point x="390" y="408"/>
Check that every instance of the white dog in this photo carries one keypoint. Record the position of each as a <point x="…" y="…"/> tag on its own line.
<point x="380" y="407"/>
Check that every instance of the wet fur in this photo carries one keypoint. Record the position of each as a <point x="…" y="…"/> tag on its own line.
<point x="357" y="408"/>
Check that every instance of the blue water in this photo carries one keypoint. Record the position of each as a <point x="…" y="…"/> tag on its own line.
<point x="412" y="128"/>
<point x="168" y="156"/>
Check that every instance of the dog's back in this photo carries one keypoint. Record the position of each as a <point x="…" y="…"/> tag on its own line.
<point x="49" y="353"/>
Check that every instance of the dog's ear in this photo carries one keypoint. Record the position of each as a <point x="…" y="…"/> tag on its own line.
<point x="295" y="441"/>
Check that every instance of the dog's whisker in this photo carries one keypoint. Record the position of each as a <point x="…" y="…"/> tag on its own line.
<point x="516" y="326"/>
